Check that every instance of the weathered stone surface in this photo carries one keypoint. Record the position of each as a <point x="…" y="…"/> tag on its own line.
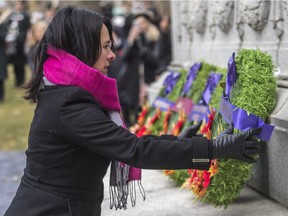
<point x="277" y="165"/>
<point x="278" y="150"/>
<point x="279" y="116"/>
<point x="228" y="27"/>
<point x="256" y="13"/>
<point x="259" y="173"/>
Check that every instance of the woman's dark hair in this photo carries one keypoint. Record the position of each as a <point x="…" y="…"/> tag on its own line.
<point x="78" y="32"/>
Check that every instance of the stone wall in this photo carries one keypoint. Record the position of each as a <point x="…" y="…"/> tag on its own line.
<point x="212" y="30"/>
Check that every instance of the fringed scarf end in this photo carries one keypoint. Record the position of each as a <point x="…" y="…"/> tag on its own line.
<point x="119" y="194"/>
<point x="121" y="186"/>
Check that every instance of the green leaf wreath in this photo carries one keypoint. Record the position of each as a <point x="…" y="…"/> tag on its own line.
<point x="255" y="92"/>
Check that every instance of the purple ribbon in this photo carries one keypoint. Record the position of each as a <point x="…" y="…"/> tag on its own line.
<point x="163" y="103"/>
<point x="231" y="75"/>
<point x="211" y="84"/>
<point x="199" y="112"/>
<point x="191" y="76"/>
<point x="244" y="121"/>
<point x="171" y="81"/>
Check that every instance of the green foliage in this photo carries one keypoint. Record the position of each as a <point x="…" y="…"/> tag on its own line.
<point x="157" y="127"/>
<point x="232" y="174"/>
<point x="150" y="114"/>
<point x="255" y="92"/>
<point x="199" y="83"/>
<point x="162" y="92"/>
<point x="177" y="90"/>
<point x="218" y="92"/>
<point x="225" y="186"/>
<point x="173" y="120"/>
<point x="179" y="176"/>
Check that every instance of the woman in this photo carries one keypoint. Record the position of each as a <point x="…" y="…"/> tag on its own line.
<point x="77" y="131"/>
<point x="3" y="59"/>
<point x="19" y="23"/>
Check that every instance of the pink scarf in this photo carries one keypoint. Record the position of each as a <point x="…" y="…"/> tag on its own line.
<point x="62" y="68"/>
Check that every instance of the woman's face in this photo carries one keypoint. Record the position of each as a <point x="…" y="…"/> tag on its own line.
<point x="107" y="55"/>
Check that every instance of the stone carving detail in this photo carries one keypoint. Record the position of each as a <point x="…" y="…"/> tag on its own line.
<point x="182" y="10"/>
<point x="240" y="21"/>
<point x="256" y="13"/>
<point x="178" y="26"/>
<point x="277" y="17"/>
<point x="212" y="20"/>
<point x="285" y="9"/>
<point x="198" y="15"/>
<point x="224" y="12"/>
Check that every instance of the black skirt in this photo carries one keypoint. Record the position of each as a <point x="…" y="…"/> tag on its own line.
<point x="34" y="199"/>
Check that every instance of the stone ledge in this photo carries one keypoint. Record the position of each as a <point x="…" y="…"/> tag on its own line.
<point x="283" y="82"/>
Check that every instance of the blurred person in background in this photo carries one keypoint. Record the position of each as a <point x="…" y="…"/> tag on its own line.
<point x="50" y="11"/>
<point x="33" y="38"/>
<point x="106" y="8"/>
<point x="18" y="26"/>
<point x="140" y="54"/>
<point x="128" y="15"/>
<point x="115" y="67"/>
<point x="4" y="13"/>
<point x="164" y="45"/>
<point x="118" y="69"/>
<point x="39" y="22"/>
<point x="45" y="12"/>
<point x="150" y="6"/>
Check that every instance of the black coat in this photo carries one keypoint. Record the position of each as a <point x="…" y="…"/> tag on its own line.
<point x="71" y="143"/>
<point x="3" y="57"/>
<point x="23" y="20"/>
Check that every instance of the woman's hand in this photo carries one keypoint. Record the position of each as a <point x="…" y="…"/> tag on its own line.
<point x="238" y="146"/>
<point x="190" y="131"/>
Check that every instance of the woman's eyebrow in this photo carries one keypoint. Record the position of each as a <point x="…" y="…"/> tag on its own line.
<point x="108" y="41"/>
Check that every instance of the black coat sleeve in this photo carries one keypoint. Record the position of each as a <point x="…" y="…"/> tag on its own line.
<point x="85" y="124"/>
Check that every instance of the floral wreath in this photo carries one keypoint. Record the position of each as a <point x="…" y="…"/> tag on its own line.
<point x="250" y="86"/>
